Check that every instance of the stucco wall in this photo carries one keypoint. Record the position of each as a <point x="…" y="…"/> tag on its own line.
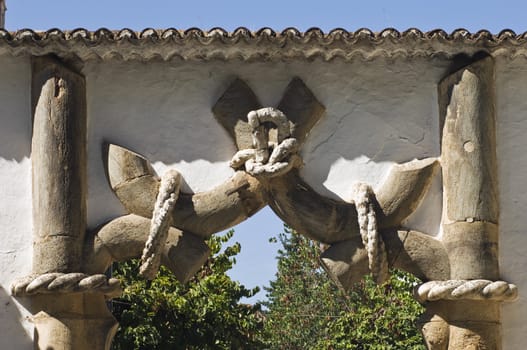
<point x="378" y="112"/>
<point x="15" y="198"/>
<point x="163" y="111"/>
<point x="511" y="80"/>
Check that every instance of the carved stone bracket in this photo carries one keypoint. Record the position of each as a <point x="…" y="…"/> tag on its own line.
<point x="136" y="184"/>
<point x="327" y="220"/>
<point x="336" y="222"/>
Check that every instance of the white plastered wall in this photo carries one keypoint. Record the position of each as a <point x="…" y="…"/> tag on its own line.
<point x="374" y="117"/>
<point x="511" y="81"/>
<point x="377" y="113"/>
<point x="15" y="198"/>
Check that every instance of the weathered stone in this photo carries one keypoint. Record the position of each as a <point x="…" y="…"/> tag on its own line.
<point x="461" y="298"/>
<point x="470" y="199"/>
<point x="346" y="262"/>
<point x="330" y="221"/>
<point x="231" y="112"/>
<point x="468" y="146"/>
<point x="473" y="249"/>
<point x="302" y="109"/>
<point x="472" y="324"/>
<point x="268" y="158"/>
<point x="58" y="155"/>
<point x="403" y="190"/>
<point x="124" y="238"/>
<point x="435" y="330"/>
<point x="136" y="185"/>
<point x="2" y="13"/>
<point x="364" y="199"/>
<point x="125" y="166"/>
<point x="420" y="254"/>
<point x="309" y="213"/>
<point x="73" y="321"/>
<point x="474" y="289"/>
<point x="298" y="103"/>
<point x="66" y="283"/>
<point x="160" y="223"/>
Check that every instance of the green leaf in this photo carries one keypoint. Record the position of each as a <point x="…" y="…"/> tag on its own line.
<point x="204" y="314"/>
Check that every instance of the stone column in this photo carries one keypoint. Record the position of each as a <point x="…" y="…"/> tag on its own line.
<point x="68" y="315"/>
<point x="58" y="156"/>
<point x="464" y="313"/>
<point x="470" y="197"/>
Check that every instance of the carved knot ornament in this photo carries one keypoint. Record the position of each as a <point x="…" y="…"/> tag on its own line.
<point x="267" y="158"/>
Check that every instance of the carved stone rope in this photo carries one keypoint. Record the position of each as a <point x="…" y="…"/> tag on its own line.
<point x="258" y="160"/>
<point x="56" y="282"/>
<point x="161" y="221"/>
<point x="478" y="289"/>
<point x="377" y="259"/>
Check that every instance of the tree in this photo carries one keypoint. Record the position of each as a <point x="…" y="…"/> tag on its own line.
<point x="205" y="313"/>
<point x="307" y="311"/>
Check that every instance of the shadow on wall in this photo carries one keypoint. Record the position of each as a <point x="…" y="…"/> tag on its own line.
<point x="374" y="117"/>
<point x="15" y="145"/>
<point x="15" y="112"/>
<point x="14" y="336"/>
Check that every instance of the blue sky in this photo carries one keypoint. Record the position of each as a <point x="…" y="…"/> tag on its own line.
<point x="256" y="264"/>
<point x="350" y="14"/>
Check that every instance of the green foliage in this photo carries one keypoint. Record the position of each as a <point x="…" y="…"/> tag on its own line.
<point x="205" y="313"/>
<point x="307" y="311"/>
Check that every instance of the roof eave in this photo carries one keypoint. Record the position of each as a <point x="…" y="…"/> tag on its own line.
<point x="265" y="44"/>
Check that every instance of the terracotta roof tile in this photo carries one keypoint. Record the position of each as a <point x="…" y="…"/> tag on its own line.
<point x="264" y="44"/>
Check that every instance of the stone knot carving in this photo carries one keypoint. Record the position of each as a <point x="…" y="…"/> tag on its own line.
<point x="268" y="158"/>
<point x="364" y="197"/>
<point x="75" y="282"/>
<point x="478" y="289"/>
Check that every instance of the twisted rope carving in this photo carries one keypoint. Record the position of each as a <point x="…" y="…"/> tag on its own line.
<point x="377" y="259"/>
<point x="466" y="290"/>
<point x="57" y="282"/>
<point x="259" y="161"/>
<point x="161" y="221"/>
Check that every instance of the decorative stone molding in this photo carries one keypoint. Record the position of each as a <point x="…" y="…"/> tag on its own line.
<point x="466" y="290"/>
<point x="125" y="237"/>
<point x="75" y="282"/>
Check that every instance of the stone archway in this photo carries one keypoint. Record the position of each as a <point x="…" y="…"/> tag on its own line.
<point x="463" y="288"/>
